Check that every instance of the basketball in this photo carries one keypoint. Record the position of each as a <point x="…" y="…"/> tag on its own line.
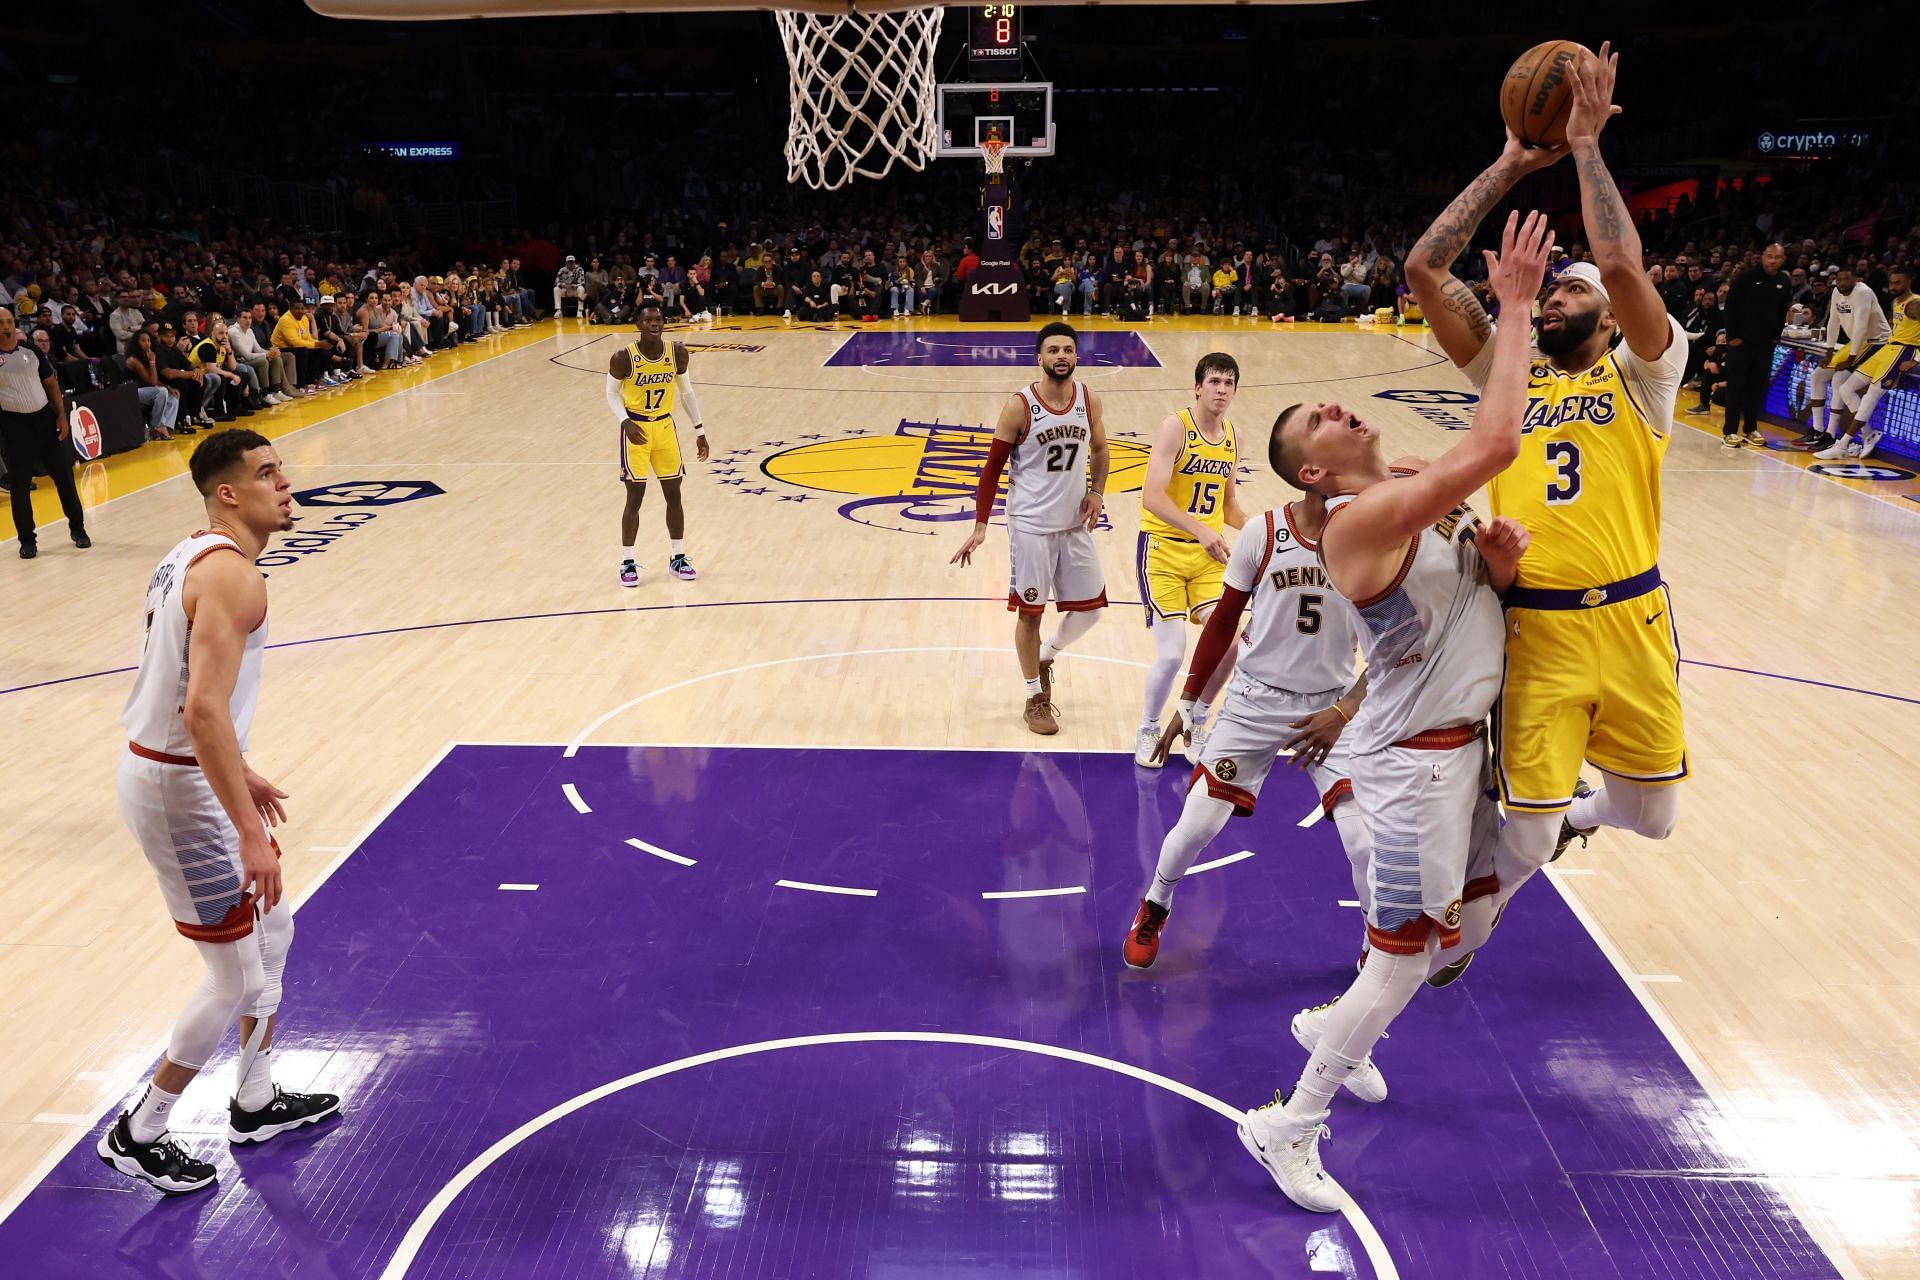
<point x="1537" y="93"/>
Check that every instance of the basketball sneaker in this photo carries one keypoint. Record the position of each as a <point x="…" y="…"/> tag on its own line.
<point x="682" y="568"/>
<point x="1146" y="747"/>
<point x="1195" y="739"/>
<point x="1447" y="975"/>
<point x="629" y="574"/>
<point x="162" y="1163"/>
<point x="286" y="1112"/>
<point x="1865" y="443"/>
<point x="1046" y="678"/>
<point x="1840" y="448"/>
<point x="1289" y="1150"/>
<point x="1365" y="1083"/>
<point x="1143" y="940"/>
<point x="1820" y="441"/>
<point x="1040" y="715"/>
<point x="1569" y="832"/>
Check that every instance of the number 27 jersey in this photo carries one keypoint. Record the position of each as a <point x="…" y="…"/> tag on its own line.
<point x="1587" y="481"/>
<point x="1047" y="477"/>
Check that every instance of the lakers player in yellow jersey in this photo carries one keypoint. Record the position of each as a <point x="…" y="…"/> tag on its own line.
<point x="1591" y="652"/>
<point x="1879" y="373"/>
<point x="1189" y="500"/>
<point x="646" y="381"/>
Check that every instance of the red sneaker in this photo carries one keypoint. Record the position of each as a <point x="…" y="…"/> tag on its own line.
<point x="1143" y="942"/>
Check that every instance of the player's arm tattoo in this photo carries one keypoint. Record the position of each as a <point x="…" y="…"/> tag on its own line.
<point x="1606" y="216"/>
<point x="1456" y="297"/>
<point x="1453" y="230"/>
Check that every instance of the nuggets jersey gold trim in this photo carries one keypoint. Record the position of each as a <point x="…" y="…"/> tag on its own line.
<point x="1201" y="473"/>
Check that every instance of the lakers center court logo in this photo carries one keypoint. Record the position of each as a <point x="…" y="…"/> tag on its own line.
<point x="921" y="476"/>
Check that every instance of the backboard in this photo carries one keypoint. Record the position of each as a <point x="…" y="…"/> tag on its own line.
<point x="964" y="112"/>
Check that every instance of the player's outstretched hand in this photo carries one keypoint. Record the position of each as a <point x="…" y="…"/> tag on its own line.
<point x="1526" y="159"/>
<point x="1502" y="542"/>
<point x="965" y="554"/>
<point x="1318" y="733"/>
<point x="1517" y="270"/>
<point x="700" y="446"/>
<point x="1593" y="96"/>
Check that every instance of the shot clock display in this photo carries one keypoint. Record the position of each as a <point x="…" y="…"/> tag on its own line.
<point x="995" y="41"/>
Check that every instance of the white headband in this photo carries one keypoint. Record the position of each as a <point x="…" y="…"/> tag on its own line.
<point x="1588" y="274"/>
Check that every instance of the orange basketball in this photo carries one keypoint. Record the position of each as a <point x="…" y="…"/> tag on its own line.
<point x="1538" y="92"/>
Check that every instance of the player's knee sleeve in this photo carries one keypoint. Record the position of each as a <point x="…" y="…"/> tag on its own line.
<point x="274" y="933"/>
<point x="1655" y="809"/>
<point x="1358" y="842"/>
<point x="1525" y="845"/>
<point x="1817" y="382"/>
<point x="1865" y="401"/>
<point x="223" y="990"/>
<point x="1375" y="999"/>
<point x="1169" y="640"/>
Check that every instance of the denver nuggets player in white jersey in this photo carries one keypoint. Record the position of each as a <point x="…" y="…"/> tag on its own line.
<point x="1050" y="432"/>
<point x="201" y="814"/>
<point x="646" y="381"/>
<point x="1421" y="572"/>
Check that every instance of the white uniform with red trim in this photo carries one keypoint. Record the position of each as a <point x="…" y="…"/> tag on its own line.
<point x="1433" y="642"/>
<point x="1053" y="555"/>
<point x="164" y="797"/>
<point x="1295" y="658"/>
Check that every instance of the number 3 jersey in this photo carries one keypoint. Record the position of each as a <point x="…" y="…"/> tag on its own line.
<point x="1301" y="632"/>
<point x="1047" y="477"/>
<point x="1587" y="481"/>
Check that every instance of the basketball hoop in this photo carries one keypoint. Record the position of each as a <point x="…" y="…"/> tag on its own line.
<point x="992" y="150"/>
<point x="859" y="93"/>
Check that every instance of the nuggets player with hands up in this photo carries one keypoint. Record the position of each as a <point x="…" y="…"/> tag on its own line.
<point x="1590" y="646"/>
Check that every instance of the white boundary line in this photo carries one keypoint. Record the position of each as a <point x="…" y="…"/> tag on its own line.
<point x="38" y="1174"/>
<point x="811" y="887"/>
<point x="579" y="739"/>
<point x="658" y="852"/>
<point x="520" y="888"/>
<point x="1709" y="1082"/>
<point x="999" y="894"/>
<point x="1227" y="861"/>
<point x="423" y="1225"/>
<point x="573" y="798"/>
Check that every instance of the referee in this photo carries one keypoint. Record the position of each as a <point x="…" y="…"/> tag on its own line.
<point x="33" y="434"/>
<point x="1756" y="309"/>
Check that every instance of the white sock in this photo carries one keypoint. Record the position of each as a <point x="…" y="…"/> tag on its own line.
<point x="1033" y="687"/>
<point x="1201" y="819"/>
<point x="256" y="1088"/>
<point x="679" y="546"/>
<point x="626" y="554"/>
<point x="1818" y="414"/>
<point x="1072" y="627"/>
<point x="149" y="1119"/>
<point x="1354" y="1026"/>
<point x="1169" y="647"/>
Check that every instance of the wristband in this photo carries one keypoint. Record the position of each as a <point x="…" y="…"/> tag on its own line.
<point x="1344" y="717"/>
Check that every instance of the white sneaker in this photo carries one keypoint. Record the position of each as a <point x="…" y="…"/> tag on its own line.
<point x="1146" y="747"/>
<point x="1196" y="741"/>
<point x="1365" y="1083"/>
<point x="786" y="315"/>
<point x="1868" y="441"/>
<point x="1289" y="1150"/>
<point x="1838" y="449"/>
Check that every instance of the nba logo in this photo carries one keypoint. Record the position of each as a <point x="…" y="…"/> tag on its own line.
<point x="996" y="221"/>
<point x="86" y="433"/>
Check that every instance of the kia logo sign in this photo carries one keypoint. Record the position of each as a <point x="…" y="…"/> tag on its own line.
<point x="86" y="433"/>
<point x="992" y="290"/>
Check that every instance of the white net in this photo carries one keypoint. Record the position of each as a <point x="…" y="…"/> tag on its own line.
<point x="859" y="93"/>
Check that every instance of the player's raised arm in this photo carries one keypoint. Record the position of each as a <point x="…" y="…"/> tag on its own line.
<point x="1386" y="515"/>
<point x="1611" y="235"/>
<point x="1099" y="462"/>
<point x="1006" y="434"/>
<point x="1455" y="315"/>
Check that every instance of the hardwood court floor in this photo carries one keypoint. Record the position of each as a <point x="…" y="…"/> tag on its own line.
<point x="452" y="581"/>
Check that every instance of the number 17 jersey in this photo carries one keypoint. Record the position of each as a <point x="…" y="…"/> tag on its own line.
<point x="1587" y="481"/>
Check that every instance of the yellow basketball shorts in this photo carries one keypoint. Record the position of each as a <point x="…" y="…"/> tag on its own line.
<point x="1600" y="684"/>
<point x="1881" y="362"/>
<point x="1177" y="577"/>
<point x="659" y="455"/>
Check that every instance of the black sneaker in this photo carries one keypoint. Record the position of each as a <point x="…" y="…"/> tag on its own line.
<point x="1450" y="974"/>
<point x="1568" y="832"/>
<point x="286" y="1111"/>
<point x="163" y="1163"/>
<point x="1816" y="442"/>
<point x="28" y="550"/>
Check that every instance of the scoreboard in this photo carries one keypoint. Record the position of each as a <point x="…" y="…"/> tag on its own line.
<point x="993" y="39"/>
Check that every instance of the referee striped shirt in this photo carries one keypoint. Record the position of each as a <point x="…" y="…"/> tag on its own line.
<point x="21" y="371"/>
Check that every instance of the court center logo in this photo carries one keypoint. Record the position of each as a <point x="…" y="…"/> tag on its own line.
<point x="1442" y="408"/>
<point x="1860" y="471"/>
<point x="368" y="493"/>
<point x="921" y="476"/>
<point x="314" y="534"/>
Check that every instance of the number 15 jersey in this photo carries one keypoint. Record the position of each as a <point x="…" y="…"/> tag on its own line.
<point x="1201" y="473"/>
<point x="1587" y="481"/>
